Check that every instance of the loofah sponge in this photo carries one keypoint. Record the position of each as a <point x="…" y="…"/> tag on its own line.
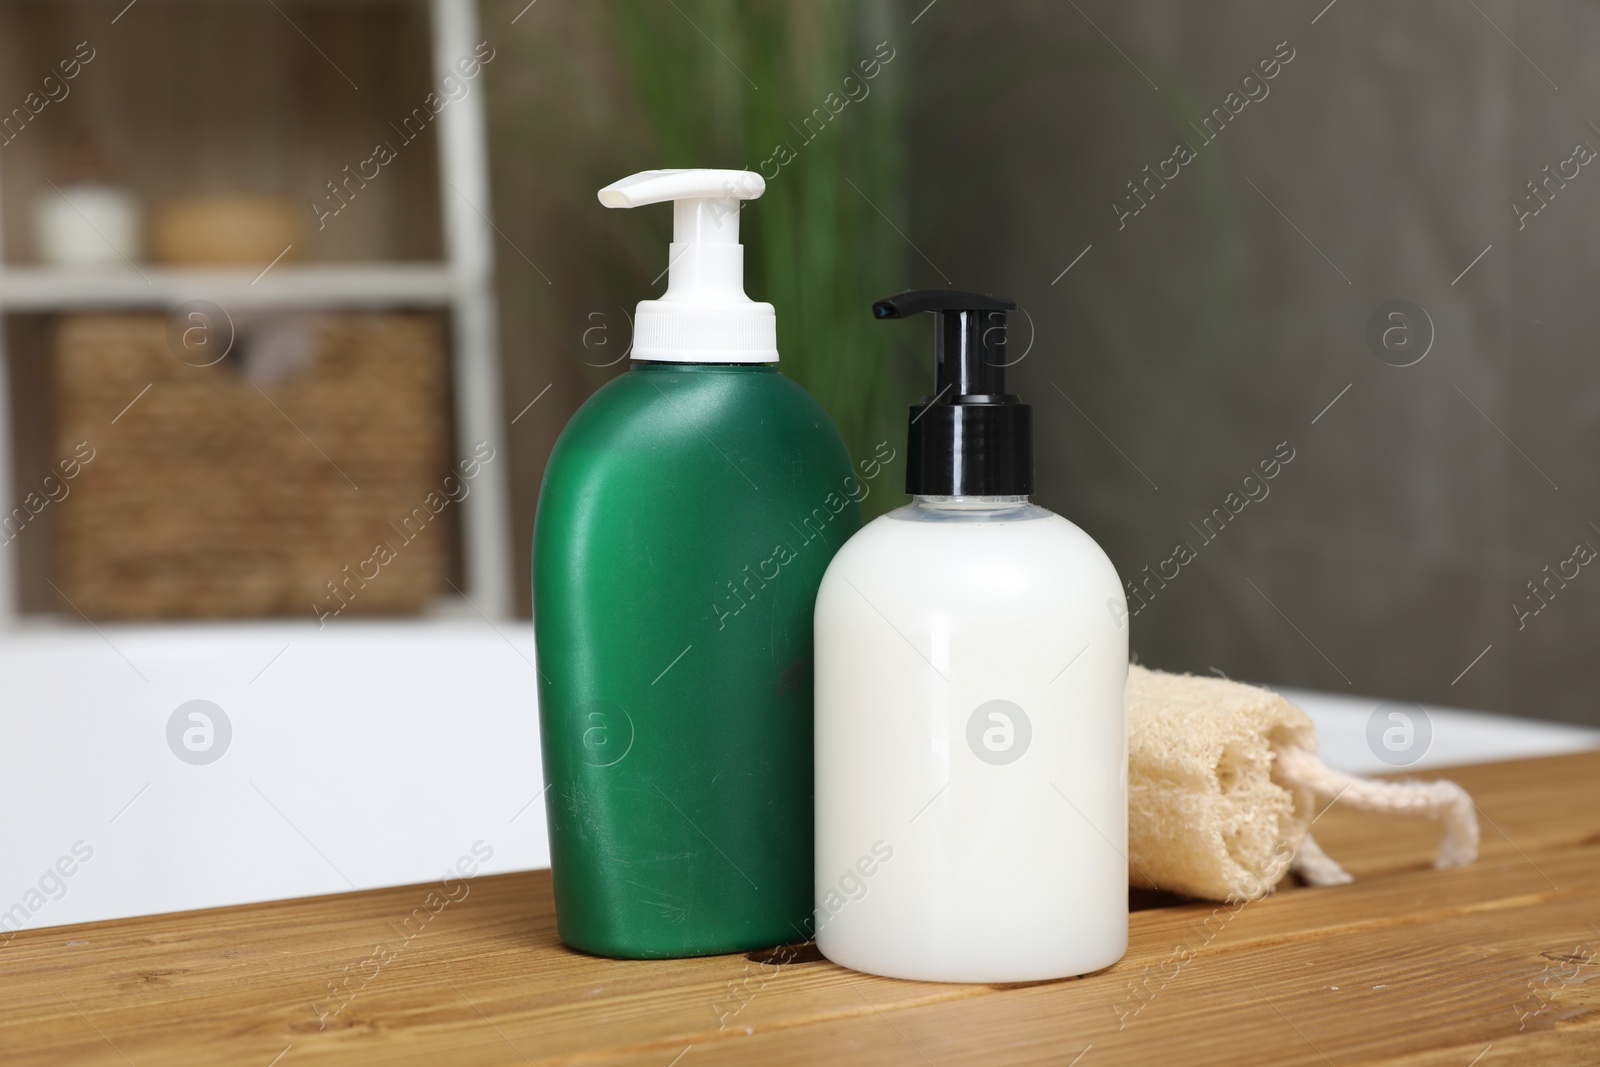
<point x="1224" y="783"/>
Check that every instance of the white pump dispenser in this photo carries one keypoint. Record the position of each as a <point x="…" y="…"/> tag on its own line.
<point x="704" y="316"/>
<point x="971" y="657"/>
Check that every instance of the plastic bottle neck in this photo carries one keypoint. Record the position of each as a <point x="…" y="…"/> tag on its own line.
<point x="637" y="366"/>
<point x="971" y="503"/>
<point x="968" y="509"/>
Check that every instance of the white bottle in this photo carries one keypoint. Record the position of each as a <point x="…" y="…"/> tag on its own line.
<point x="88" y="224"/>
<point x="971" y="742"/>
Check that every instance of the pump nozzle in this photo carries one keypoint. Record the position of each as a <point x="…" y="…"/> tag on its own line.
<point x="704" y="316"/>
<point x="970" y="437"/>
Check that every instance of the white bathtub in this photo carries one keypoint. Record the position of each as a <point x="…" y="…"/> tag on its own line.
<point x="362" y="755"/>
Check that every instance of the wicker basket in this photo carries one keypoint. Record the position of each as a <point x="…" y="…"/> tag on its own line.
<point x="227" y="229"/>
<point x="214" y="495"/>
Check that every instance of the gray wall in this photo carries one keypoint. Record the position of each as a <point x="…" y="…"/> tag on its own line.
<point x="1197" y="335"/>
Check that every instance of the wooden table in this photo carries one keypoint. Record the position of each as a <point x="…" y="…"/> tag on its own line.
<point x="1490" y="964"/>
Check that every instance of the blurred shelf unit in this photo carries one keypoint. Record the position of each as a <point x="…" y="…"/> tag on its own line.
<point x="363" y="285"/>
<point x="457" y="280"/>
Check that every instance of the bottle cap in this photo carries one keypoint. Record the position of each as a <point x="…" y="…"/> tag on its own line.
<point x="704" y="316"/>
<point x="970" y="437"/>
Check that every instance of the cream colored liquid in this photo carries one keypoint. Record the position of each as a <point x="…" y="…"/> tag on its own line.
<point x="971" y="752"/>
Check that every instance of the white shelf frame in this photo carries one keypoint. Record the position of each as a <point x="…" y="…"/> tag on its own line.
<point x="24" y="289"/>
<point x="463" y="285"/>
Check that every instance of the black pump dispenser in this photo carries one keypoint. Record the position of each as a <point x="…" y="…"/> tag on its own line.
<point x="970" y="437"/>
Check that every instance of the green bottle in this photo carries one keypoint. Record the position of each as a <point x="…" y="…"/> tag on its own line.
<point x="688" y="513"/>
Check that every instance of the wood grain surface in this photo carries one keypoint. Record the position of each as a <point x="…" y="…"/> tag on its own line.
<point x="1491" y="964"/>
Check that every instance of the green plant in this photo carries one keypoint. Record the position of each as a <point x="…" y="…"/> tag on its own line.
<point x="733" y="83"/>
